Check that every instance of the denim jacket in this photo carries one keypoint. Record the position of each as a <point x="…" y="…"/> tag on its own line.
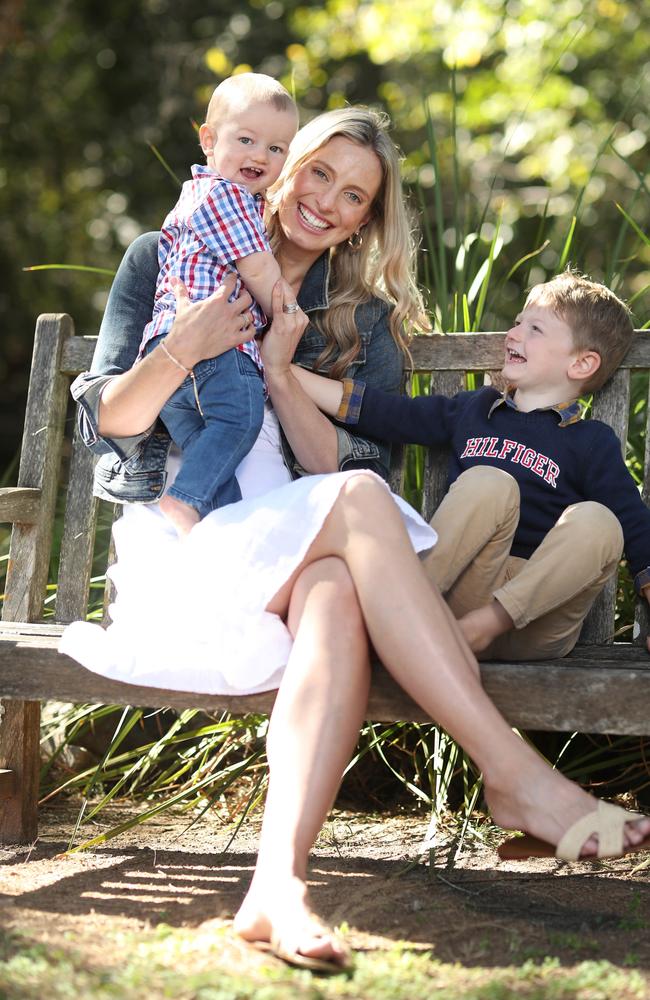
<point x="132" y="469"/>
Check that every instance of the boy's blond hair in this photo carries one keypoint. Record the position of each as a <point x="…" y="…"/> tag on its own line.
<point x="599" y="320"/>
<point x="240" y="91"/>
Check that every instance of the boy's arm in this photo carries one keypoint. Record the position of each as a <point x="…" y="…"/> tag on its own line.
<point x="427" y="420"/>
<point x="326" y="393"/>
<point x="260" y="272"/>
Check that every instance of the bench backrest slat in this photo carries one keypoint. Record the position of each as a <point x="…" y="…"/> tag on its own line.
<point x="642" y="611"/>
<point x="78" y="542"/>
<point x="40" y="461"/>
<point x="612" y="405"/>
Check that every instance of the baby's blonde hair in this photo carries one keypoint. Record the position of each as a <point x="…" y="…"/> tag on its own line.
<point x="240" y="91"/>
<point x="384" y="264"/>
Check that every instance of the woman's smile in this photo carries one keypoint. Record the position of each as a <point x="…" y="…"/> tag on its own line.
<point x="312" y="220"/>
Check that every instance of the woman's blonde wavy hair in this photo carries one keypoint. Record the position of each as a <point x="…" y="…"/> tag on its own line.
<point x="384" y="264"/>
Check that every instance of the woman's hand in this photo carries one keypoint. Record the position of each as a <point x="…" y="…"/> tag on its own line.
<point x="281" y="339"/>
<point x="209" y="327"/>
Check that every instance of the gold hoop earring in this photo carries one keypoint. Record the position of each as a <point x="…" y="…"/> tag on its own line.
<point x="355" y="242"/>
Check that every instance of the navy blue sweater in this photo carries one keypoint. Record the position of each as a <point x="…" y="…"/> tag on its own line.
<point x="555" y="466"/>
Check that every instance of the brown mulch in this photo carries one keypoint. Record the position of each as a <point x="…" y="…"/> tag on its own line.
<point x="468" y="908"/>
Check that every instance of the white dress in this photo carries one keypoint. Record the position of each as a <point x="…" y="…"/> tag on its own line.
<point x="190" y="615"/>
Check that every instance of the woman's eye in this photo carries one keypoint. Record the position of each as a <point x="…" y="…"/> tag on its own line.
<point x="320" y="173"/>
<point x="354" y="197"/>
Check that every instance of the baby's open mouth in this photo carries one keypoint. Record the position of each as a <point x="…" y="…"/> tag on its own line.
<point x="251" y="173"/>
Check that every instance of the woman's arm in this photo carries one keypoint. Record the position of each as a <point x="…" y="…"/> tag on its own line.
<point x="312" y="436"/>
<point x="131" y="401"/>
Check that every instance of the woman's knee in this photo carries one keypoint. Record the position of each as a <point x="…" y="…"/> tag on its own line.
<point x="331" y="575"/>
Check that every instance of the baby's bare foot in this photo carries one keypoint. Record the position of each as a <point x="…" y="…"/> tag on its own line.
<point x="181" y="515"/>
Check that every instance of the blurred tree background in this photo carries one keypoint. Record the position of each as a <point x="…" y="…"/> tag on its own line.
<point x="536" y="106"/>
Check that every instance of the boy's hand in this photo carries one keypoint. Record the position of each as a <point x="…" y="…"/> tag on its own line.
<point x="209" y="327"/>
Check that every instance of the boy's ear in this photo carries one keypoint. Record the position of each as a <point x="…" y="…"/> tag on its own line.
<point x="584" y="366"/>
<point x="206" y="138"/>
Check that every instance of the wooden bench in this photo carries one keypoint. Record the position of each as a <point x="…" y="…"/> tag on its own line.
<point x="601" y="688"/>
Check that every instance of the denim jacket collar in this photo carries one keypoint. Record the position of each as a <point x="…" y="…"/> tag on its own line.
<point x="314" y="292"/>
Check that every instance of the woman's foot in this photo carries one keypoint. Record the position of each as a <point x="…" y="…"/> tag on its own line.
<point x="281" y="915"/>
<point x="541" y="802"/>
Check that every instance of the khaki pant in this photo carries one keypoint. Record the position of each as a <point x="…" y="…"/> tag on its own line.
<point x="547" y="596"/>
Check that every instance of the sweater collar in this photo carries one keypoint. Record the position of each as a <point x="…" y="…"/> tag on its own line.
<point x="568" y="412"/>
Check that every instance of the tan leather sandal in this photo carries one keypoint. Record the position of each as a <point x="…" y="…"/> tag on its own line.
<point x="606" y="821"/>
<point x="288" y="952"/>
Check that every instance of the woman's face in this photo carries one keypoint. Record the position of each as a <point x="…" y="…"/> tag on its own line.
<point x="330" y="196"/>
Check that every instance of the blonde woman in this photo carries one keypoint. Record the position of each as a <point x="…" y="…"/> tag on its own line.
<point x="287" y="587"/>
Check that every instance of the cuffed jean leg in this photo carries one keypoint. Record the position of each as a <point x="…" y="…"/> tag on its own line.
<point x="231" y="394"/>
<point x="476" y="523"/>
<point x="549" y="595"/>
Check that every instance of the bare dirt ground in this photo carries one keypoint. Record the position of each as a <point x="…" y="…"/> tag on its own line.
<point x="469" y="908"/>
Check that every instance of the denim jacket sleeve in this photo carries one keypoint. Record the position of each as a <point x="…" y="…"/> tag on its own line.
<point x="128" y="310"/>
<point x="380" y="363"/>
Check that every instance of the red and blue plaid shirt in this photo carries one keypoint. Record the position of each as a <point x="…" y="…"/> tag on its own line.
<point x="213" y="224"/>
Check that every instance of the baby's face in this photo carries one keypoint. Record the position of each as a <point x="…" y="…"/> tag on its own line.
<point x="251" y="147"/>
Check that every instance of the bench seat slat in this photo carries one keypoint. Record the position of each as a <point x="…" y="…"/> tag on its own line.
<point x="569" y="694"/>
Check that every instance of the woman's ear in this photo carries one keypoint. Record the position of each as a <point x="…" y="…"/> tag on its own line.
<point x="206" y="138"/>
<point x="584" y="366"/>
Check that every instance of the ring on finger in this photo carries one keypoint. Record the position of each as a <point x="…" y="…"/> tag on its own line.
<point x="290" y="307"/>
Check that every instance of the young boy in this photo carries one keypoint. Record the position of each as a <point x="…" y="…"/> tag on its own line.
<point x="540" y="503"/>
<point x="214" y="229"/>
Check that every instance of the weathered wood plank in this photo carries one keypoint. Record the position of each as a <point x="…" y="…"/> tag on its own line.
<point x="436" y="460"/>
<point x="612" y="405"/>
<point x="19" y="752"/>
<point x="641" y="611"/>
<point x="7" y="784"/>
<point x="19" y="504"/>
<point x="78" y="542"/>
<point x="29" y="555"/>
<point x="457" y="351"/>
<point x="555" y="695"/>
<point x="77" y="355"/>
<point x="39" y="468"/>
<point x="484" y="351"/>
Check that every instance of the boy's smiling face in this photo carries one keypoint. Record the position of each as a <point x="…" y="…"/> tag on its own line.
<point x="250" y="147"/>
<point x="541" y="355"/>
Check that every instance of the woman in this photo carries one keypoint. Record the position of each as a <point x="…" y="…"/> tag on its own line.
<point x="358" y="577"/>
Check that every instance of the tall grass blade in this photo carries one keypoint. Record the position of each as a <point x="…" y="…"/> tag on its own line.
<point x="163" y="162"/>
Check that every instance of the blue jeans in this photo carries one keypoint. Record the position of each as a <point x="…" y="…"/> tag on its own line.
<point x="231" y="393"/>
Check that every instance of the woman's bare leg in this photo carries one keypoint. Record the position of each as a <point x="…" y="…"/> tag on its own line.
<point x="421" y="645"/>
<point x="314" y="728"/>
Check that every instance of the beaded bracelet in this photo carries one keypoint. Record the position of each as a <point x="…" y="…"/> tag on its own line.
<point x="188" y="371"/>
